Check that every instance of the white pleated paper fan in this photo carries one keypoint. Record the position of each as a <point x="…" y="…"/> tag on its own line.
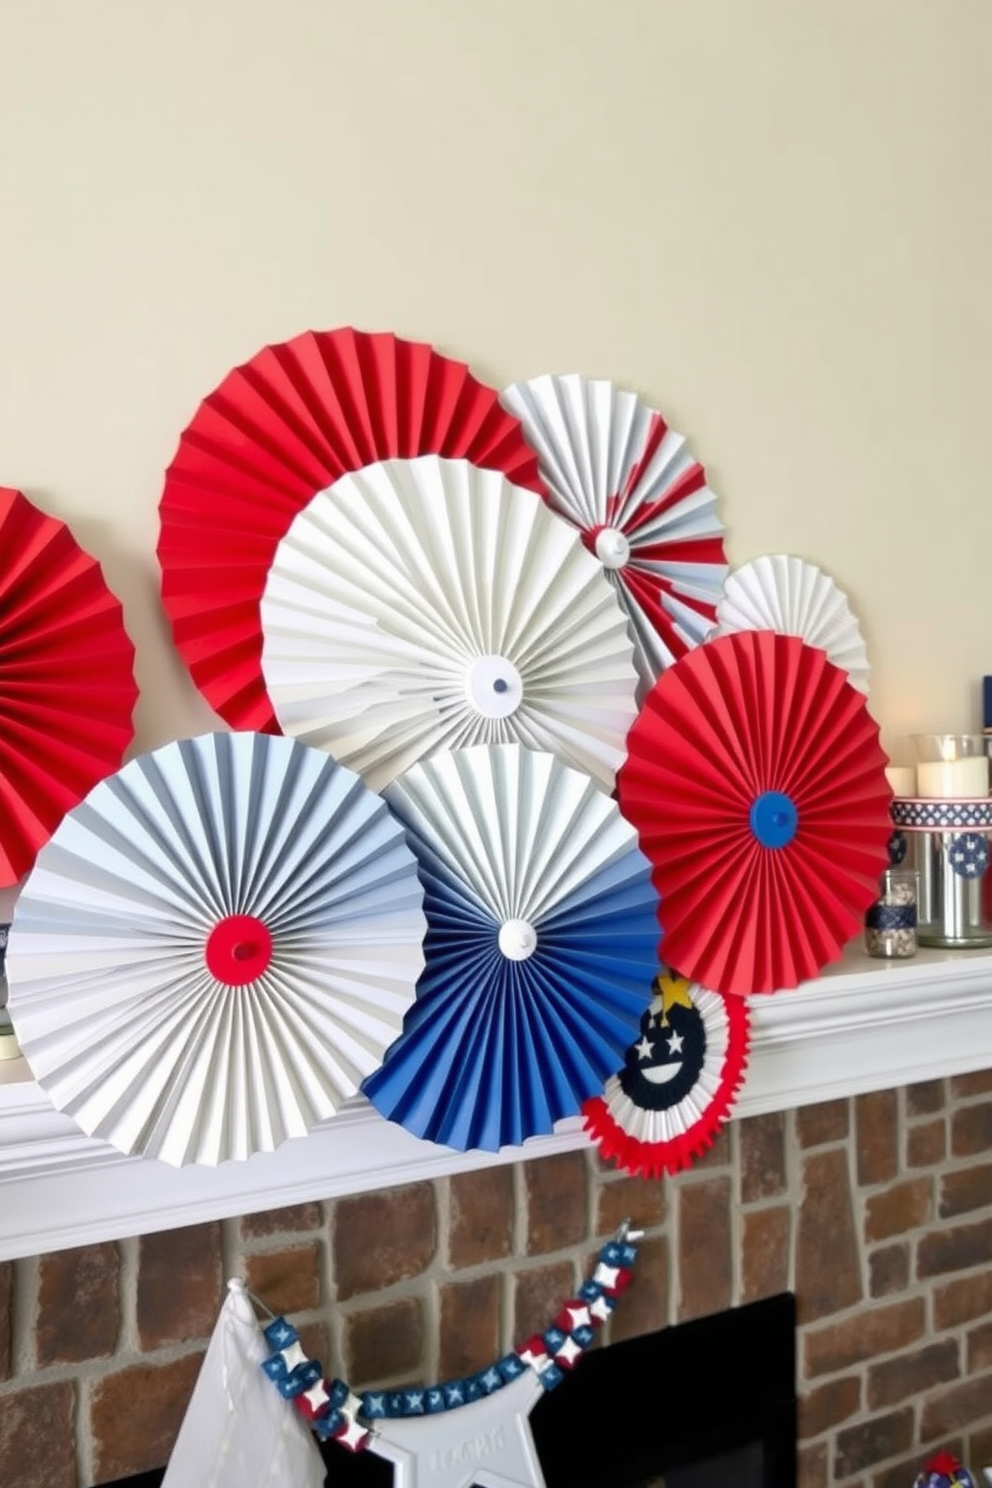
<point x="616" y="471"/>
<point x="542" y="943"/>
<point x="215" y="948"/>
<point x="792" y="597"/>
<point x="425" y="605"/>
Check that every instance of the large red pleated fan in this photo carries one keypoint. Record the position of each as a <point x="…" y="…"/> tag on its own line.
<point x="280" y="428"/>
<point x="756" y="781"/>
<point x="67" y="688"/>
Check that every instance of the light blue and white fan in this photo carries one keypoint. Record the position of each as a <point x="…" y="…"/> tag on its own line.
<point x="215" y="948"/>
<point x="541" y="948"/>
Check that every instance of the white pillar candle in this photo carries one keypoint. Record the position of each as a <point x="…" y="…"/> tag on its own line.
<point x="902" y="780"/>
<point x="955" y="779"/>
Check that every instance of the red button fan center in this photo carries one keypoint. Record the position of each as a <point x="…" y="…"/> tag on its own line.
<point x="238" y="949"/>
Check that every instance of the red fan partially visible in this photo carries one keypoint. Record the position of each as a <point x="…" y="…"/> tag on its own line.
<point x="277" y="430"/>
<point x="756" y="780"/>
<point x="67" y="687"/>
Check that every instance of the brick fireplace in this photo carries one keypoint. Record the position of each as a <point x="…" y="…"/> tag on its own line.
<point x="876" y="1211"/>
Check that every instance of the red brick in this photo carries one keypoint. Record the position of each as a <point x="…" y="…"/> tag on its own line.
<point x="764" y="1253"/>
<point x="980" y="1348"/>
<point x="136" y="1413"/>
<point x="705" y="1271"/>
<point x="826" y="1122"/>
<point x="641" y="1200"/>
<point x="971" y="1130"/>
<point x="979" y="1449"/>
<point x="556" y="1202"/>
<point x="811" y="1466"/>
<point x="860" y="1447"/>
<point x="718" y="1154"/>
<point x="180" y="1285"/>
<point x="867" y="1335"/>
<point x="904" y="1206"/>
<point x="287" y="1281"/>
<point x="828" y="1405"/>
<point x="78" y="1308"/>
<point x="962" y="1301"/>
<point x="383" y="1238"/>
<point x="877" y="1136"/>
<point x="481" y="1207"/>
<point x="925" y="1098"/>
<point x="762" y="1157"/>
<point x="977" y="1083"/>
<point x="954" y="1249"/>
<point x="470" y="1326"/>
<point x="926" y="1144"/>
<point x="6" y="1316"/>
<point x="893" y="1380"/>
<point x="645" y="1302"/>
<point x="888" y="1270"/>
<point x="291" y="1220"/>
<point x="538" y="1295"/>
<point x="966" y="1404"/>
<point x="966" y="1190"/>
<point x="37" y="1447"/>
<point x="828" y="1267"/>
<point x="384" y="1345"/>
<point x="315" y="1342"/>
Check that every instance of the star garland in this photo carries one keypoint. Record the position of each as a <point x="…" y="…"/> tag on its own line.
<point x="337" y="1413"/>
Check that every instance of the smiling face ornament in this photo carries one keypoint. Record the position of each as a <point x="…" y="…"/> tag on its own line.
<point x="678" y="1082"/>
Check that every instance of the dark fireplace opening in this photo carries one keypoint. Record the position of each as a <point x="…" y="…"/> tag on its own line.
<point x="706" y="1404"/>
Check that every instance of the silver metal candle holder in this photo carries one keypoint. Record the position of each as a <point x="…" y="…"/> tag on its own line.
<point x="948" y="845"/>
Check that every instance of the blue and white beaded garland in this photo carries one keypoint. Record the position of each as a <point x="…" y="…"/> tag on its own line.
<point x="338" y="1413"/>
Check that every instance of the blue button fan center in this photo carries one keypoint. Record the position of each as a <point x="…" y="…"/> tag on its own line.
<point x="774" y="819"/>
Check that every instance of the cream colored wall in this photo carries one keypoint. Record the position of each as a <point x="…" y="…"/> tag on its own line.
<point x="773" y="218"/>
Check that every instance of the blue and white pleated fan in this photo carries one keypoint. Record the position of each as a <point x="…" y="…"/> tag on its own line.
<point x="215" y="948"/>
<point x="541" y="947"/>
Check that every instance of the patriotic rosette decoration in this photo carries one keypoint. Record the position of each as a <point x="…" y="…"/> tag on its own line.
<point x="791" y="597"/>
<point x="426" y="605"/>
<point x="542" y="940"/>
<point x="943" y="1470"/>
<point x="678" y="1082"/>
<point x="422" y="1429"/>
<point x="286" y="424"/>
<point x="215" y="948"/>
<point x="756" y="780"/>
<point x="67" y="688"/>
<point x="616" y="471"/>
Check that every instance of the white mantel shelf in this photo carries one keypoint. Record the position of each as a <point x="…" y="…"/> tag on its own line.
<point x="864" y="1025"/>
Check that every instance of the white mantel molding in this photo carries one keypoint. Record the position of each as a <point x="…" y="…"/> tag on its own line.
<point x="864" y="1025"/>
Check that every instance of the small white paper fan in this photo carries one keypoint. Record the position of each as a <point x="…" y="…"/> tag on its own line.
<point x="426" y="605"/>
<point x="616" y="471"/>
<point x="792" y="597"/>
<point x="215" y="948"/>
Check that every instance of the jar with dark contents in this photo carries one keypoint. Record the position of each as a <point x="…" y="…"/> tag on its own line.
<point x="890" y="923"/>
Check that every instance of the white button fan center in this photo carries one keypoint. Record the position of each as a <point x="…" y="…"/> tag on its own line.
<point x="612" y="548"/>
<point x="494" y="686"/>
<point x="517" y="940"/>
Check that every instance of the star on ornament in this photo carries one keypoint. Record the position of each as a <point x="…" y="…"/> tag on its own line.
<point x="487" y="1443"/>
<point x="675" y="1043"/>
<point x="645" y="1048"/>
<point x="671" y="990"/>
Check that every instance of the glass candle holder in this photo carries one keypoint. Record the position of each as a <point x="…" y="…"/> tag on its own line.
<point x="951" y="766"/>
<point x="890" y="923"/>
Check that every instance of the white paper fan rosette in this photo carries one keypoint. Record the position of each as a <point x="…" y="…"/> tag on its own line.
<point x="792" y="597"/>
<point x="424" y="605"/>
<point x="542" y="941"/>
<point x="215" y="948"/>
<point x="615" y="470"/>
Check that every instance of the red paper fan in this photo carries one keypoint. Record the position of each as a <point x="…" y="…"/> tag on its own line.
<point x="67" y="686"/>
<point x="678" y="1083"/>
<point x="756" y="780"/>
<point x="277" y="430"/>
